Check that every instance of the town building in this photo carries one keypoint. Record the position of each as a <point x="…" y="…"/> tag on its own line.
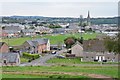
<point x="35" y="46"/>
<point x="4" y="48"/>
<point x="93" y="50"/>
<point x="10" y="59"/>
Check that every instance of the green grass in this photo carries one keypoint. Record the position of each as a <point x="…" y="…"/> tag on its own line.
<point x="40" y="76"/>
<point x="103" y="70"/>
<point x="54" y="39"/>
<point x="74" y="61"/>
<point x="0" y="72"/>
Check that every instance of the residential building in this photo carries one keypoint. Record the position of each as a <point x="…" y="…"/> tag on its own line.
<point x="4" y="48"/>
<point x="93" y="50"/>
<point x="77" y="49"/>
<point x="10" y="59"/>
<point x="36" y="46"/>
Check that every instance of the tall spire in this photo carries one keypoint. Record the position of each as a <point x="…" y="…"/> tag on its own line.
<point x="88" y="19"/>
<point x="88" y="14"/>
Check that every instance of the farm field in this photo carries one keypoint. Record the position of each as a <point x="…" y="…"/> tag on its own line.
<point x="62" y="71"/>
<point x="54" y="39"/>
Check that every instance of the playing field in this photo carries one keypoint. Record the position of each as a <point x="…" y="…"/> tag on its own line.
<point x="54" y="39"/>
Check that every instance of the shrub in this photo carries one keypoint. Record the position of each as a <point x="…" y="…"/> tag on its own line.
<point x="31" y="56"/>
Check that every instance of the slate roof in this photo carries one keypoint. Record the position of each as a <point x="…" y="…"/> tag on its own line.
<point x="10" y="31"/>
<point x="12" y="28"/>
<point x="77" y="42"/>
<point x="9" y="57"/>
<point x="94" y="45"/>
<point x="28" y="30"/>
<point x="1" y="43"/>
<point x="37" y="41"/>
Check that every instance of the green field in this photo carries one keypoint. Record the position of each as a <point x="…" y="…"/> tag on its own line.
<point x="47" y="71"/>
<point x="40" y="76"/>
<point x="54" y="39"/>
<point x="74" y="61"/>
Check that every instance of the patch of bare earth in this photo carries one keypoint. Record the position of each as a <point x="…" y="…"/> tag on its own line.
<point x="57" y="73"/>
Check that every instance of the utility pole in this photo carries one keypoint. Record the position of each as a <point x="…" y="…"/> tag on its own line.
<point x="81" y="25"/>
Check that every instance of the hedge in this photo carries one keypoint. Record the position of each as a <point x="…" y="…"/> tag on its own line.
<point x="31" y="56"/>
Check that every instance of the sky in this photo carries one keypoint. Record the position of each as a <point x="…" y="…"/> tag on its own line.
<point x="59" y="8"/>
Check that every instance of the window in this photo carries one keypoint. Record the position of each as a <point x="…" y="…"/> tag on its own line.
<point x="5" y="61"/>
<point x="86" y="56"/>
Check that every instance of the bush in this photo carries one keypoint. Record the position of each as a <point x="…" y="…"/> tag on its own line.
<point x="45" y="51"/>
<point x="31" y="56"/>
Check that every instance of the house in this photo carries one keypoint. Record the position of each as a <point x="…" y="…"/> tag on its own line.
<point x="4" y="48"/>
<point x="10" y="59"/>
<point x="36" y="46"/>
<point x="95" y="50"/>
<point x="3" y="34"/>
<point x="10" y="31"/>
<point x="42" y="30"/>
<point x="28" y="32"/>
<point x="59" y="31"/>
<point x="72" y="30"/>
<point x="94" y="46"/>
<point x="77" y="49"/>
<point x="93" y="56"/>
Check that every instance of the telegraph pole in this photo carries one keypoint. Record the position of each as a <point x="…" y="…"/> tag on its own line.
<point x="81" y="25"/>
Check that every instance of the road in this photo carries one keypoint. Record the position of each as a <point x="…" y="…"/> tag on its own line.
<point x="42" y="60"/>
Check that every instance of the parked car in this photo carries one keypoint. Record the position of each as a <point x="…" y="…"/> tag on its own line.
<point x="53" y="52"/>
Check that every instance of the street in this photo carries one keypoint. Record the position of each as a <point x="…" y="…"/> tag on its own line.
<point x="42" y="60"/>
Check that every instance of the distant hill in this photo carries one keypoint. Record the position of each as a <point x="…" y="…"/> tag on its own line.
<point x="19" y="19"/>
<point x="26" y="17"/>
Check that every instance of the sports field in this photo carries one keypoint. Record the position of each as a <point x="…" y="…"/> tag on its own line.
<point x="54" y="39"/>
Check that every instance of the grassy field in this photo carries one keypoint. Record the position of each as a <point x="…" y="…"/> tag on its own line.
<point x="74" y="71"/>
<point x="74" y="61"/>
<point x="54" y="39"/>
<point x="40" y="76"/>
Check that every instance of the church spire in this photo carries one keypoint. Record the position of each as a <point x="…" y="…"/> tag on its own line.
<point x="88" y="19"/>
<point x="88" y="14"/>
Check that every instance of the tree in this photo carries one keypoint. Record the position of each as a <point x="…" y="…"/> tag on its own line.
<point x="113" y="44"/>
<point x="80" y="40"/>
<point x="72" y="40"/>
<point x="69" y="41"/>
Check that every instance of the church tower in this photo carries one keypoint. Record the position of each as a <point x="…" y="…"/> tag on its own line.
<point x="88" y="19"/>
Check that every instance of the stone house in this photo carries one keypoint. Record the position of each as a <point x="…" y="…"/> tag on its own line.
<point x="93" y="50"/>
<point x="77" y="49"/>
<point x="10" y="59"/>
<point x="4" y="48"/>
<point x="36" y="46"/>
<point x="93" y="56"/>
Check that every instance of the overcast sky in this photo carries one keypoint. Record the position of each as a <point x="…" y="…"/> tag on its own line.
<point x="59" y="8"/>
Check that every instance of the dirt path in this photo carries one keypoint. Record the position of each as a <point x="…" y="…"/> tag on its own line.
<point x="67" y="73"/>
